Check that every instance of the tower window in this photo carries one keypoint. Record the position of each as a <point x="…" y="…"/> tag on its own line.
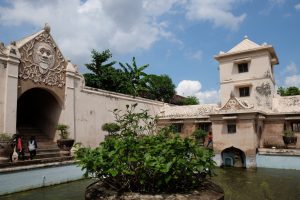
<point x="243" y="67"/>
<point x="244" y="91"/>
<point x="231" y="128"/>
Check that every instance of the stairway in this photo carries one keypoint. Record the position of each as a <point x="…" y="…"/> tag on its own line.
<point x="47" y="148"/>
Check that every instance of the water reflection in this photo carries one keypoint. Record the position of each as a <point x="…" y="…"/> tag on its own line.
<point x="238" y="184"/>
<point x="260" y="184"/>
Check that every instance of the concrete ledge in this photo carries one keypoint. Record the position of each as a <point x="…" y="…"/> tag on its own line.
<point x="36" y="176"/>
<point x="279" y="152"/>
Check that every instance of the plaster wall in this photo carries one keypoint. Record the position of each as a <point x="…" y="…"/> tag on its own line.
<point x="188" y="128"/>
<point x="3" y="72"/>
<point x="259" y="73"/>
<point x="244" y="139"/>
<point x="10" y="98"/>
<point x="87" y="109"/>
<point x="272" y="133"/>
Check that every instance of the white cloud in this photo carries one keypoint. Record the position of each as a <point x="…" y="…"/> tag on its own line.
<point x="292" y="81"/>
<point x="193" y="88"/>
<point x="291" y="68"/>
<point x="123" y="26"/>
<point x="217" y="12"/>
<point x="197" y="55"/>
<point x="297" y="6"/>
<point x="294" y="78"/>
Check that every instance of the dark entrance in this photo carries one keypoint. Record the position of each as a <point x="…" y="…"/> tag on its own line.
<point x="233" y="157"/>
<point x="38" y="113"/>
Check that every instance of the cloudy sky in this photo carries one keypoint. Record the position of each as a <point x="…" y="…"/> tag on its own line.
<point x="176" y="37"/>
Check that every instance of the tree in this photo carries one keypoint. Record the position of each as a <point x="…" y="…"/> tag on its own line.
<point x="134" y="77"/>
<point x="190" y="100"/>
<point x="290" y="91"/>
<point x="160" y="88"/>
<point x="143" y="158"/>
<point x="104" y="75"/>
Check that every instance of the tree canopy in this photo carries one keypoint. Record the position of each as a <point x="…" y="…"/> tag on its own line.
<point x="190" y="100"/>
<point x="128" y="79"/>
<point x="290" y="91"/>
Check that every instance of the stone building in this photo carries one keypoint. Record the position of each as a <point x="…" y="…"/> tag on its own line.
<point x="250" y="116"/>
<point x="40" y="88"/>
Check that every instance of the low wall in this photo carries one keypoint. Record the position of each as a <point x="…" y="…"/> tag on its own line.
<point x="278" y="158"/>
<point x="21" y="180"/>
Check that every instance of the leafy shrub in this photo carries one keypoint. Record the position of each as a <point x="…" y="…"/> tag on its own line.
<point x="200" y="134"/>
<point x="111" y="128"/>
<point x="64" y="133"/>
<point x="5" y="137"/>
<point x="288" y="133"/>
<point x="144" y="159"/>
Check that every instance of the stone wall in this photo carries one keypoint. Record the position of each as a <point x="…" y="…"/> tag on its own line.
<point x="87" y="109"/>
<point x="272" y="133"/>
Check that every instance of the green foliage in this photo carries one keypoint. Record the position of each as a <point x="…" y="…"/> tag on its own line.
<point x="290" y="91"/>
<point x="134" y="77"/>
<point x="288" y="133"/>
<point x="190" y="100"/>
<point x="5" y="137"/>
<point x="104" y="75"/>
<point x="111" y="128"/>
<point x="200" y="134"/>
<point x="64" y="133"/>
<point x="141" y="158"/>
<point x="130" y="79"/>
<point x="159" y="88"/>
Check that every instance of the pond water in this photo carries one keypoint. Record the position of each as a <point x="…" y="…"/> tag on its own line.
<point x="238" y="184"/>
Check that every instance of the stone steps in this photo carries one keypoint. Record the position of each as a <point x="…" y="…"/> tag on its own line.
<point x="20" y="163"/>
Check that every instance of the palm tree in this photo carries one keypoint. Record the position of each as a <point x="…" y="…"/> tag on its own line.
<point x="134" y="77"/>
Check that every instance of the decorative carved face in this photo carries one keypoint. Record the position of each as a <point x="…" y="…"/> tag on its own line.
<point x="43" y="55"/>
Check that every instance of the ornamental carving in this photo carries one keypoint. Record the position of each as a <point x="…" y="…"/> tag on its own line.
<point x="232" y="104"/>
<point x="235" y="104"/>
<point x="42" y="62"/>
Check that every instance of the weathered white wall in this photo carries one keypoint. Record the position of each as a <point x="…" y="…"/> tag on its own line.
<point x="2" y="93"/>
<point x="87" y="109"/>
<point x="244" y="139"/>
<point x="259" y="73"/>
<point x="10" y="98"/>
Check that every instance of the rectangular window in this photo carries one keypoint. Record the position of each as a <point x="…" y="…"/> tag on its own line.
<point x="204" y="126"/>
<point x="231" y="128"/>
<point x="296" y="127"/>
<point x="177" y="128"/>
<point x="243" y="67"/>
<point x="244" y="91"/>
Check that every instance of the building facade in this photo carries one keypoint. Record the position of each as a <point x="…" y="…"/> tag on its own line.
<point x="250" y="116"/>
<point x="40" y="88"/>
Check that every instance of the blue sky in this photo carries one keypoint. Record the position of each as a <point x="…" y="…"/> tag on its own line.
<point x="176" y="37"/>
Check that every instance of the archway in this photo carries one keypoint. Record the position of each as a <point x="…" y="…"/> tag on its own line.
<point x="38" y="113"/>
<point x="233" y="157"/>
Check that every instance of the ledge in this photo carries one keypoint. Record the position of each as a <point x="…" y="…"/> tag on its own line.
<point x="279" y="152"/>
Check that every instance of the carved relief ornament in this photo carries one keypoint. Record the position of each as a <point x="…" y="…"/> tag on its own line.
<point x="42" y="62"/>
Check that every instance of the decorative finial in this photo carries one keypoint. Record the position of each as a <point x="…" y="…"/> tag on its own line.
<point x="47" y="28"/>
<point x="245" y="37"/>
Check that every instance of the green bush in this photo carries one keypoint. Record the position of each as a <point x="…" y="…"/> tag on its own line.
<point x="200" y="134"/>
<point x="111" y="128"/>
<point x="288" y="133"/>
<point x="134" y="160"/>
<point x="64" y="133"/>
<point x="5" y="137"/>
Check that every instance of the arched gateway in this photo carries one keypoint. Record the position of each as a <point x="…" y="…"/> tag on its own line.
<point x="38" y="113"/>
<point x="41" y="85"/>
<point x="233" y="157"/>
